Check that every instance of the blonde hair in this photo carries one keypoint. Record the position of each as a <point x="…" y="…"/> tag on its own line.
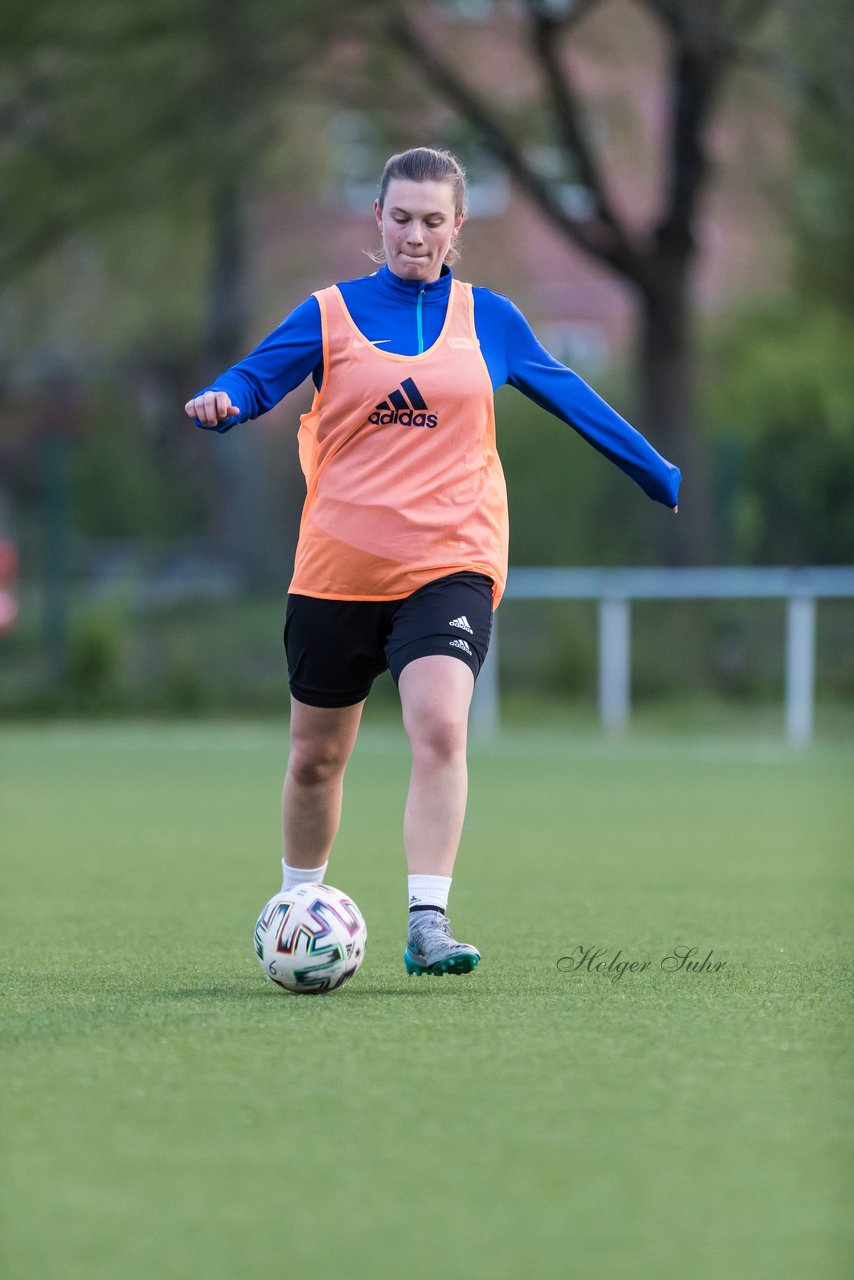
<point x="425" y="164"/>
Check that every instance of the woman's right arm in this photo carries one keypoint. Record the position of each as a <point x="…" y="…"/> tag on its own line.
<point x="280" y="363"/>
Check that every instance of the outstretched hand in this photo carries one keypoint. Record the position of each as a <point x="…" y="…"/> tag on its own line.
<point x="674" y="510"/>
<point x="211" y="408"/>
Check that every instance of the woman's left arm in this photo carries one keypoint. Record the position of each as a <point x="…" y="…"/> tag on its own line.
<point x="555" y="388"/>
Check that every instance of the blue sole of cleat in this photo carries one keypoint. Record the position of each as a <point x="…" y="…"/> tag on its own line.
<point x="454" y="964"/>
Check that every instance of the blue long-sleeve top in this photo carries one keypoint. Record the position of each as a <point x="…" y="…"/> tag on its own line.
<point x="406" y="317"/>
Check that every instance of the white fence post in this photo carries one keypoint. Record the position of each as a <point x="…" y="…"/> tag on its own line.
<point x="614" y="662"/>
<point x="614" y="589"/>
<point x="800" y="669"/>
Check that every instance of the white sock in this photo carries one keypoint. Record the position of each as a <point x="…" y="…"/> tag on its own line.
<point x="429" y="891"/>
<point x="292" y="876"/>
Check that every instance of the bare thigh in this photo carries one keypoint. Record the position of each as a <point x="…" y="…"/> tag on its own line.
<point x="435" y="693"/>
<point x="322" y="739"/>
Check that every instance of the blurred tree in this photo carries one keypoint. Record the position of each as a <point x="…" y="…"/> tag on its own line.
<point x="785" y="375"/>
<point x="109" y="109"/>
<point x="780" y="388"/>
<point x="822" y="78"/>
<point x="704" y="42"/>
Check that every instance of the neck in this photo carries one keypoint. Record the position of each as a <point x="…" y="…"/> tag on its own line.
<point x="441" y="282"/>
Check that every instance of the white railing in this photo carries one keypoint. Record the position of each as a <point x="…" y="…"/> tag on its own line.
<point x="615" y="589"/>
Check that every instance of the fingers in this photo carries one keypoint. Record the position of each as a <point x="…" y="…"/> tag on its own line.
<point x="211" y="408"/>
<point x="675" y="510"/>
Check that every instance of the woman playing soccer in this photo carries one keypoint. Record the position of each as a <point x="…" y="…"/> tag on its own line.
<point x="402" y="552"/>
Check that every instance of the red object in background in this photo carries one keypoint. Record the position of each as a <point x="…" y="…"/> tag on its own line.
<point x="8" y="579"/>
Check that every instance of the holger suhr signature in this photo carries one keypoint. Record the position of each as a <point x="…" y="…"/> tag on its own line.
<point x="679" y="960"/>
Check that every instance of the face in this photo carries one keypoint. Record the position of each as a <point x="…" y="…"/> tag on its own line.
<point x="418" y="222"/>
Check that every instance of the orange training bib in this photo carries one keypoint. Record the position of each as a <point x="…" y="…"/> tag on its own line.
<point x="404" y="481"/>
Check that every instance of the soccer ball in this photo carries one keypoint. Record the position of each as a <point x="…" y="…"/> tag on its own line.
<point x="310" y="939"/>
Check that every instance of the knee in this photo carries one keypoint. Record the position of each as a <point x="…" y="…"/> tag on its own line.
<point x="314" y="763"/>
<point x="438" y="738"/>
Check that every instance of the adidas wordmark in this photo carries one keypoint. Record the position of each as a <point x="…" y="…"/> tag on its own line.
<point x="407" y="410"/>
<point x="462" y="622"/>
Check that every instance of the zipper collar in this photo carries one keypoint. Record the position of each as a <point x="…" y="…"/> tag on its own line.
<point x="413" y="290"/>
<point x="419" y="318"/>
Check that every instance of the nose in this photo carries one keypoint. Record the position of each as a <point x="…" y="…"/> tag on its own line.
<point x="416" y="234"/>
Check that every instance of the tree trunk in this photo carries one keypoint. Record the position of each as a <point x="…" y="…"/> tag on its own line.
<point x="668" y="411"/>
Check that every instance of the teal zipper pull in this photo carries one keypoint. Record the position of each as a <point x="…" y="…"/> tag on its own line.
<point x="418" y="320"/>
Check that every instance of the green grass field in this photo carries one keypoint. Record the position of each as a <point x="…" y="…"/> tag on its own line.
<point x="168" y="1113"/>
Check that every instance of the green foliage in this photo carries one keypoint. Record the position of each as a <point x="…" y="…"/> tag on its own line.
<point x="110" y="108"/>
<point x="822" y="40"/>
<point x="95" y="656"/>
<point x="182" y="687"/>
<point x="823" y="214"/>
<point x="568" y="505"/>
<point x="126" y="484"/>
<point x="780" y="402"/>
<point x="116" y="488"/>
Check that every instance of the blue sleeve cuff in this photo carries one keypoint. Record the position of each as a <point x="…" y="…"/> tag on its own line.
<point x="231" y="389"/>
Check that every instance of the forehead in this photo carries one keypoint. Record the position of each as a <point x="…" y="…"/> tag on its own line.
<point x="421" y="198"/>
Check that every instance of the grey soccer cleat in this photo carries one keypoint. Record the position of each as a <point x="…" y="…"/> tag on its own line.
<point x="432" y="947"/>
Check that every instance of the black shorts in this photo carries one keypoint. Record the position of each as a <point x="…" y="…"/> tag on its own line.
<point x="337" y="648"/>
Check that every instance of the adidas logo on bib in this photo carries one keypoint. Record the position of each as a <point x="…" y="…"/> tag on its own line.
<point x="463" y="623"/>
<point x="405" y="406"/>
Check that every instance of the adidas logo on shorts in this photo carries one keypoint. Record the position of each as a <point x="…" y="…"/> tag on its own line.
<point x="407" y="410"/>
<point x="460" y="644"/>
<point x="462" y="622"/>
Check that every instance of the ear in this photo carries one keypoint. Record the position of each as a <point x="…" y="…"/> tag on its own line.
<point x="458" y="222"/>
<point x="378" y="214"/>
